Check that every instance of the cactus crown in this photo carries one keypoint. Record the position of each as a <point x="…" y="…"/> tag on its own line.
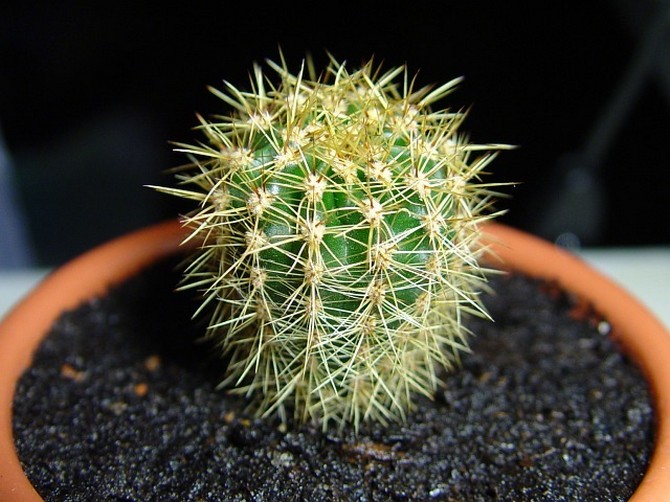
<point x="339" y="224"/>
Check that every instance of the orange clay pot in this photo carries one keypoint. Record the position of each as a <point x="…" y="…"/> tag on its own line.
<point x="640" y="334"/>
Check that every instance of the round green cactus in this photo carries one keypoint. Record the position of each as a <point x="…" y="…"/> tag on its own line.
<point x="339" y="219"/>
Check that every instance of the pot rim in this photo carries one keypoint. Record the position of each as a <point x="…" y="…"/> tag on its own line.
<point x="110" y="263"/>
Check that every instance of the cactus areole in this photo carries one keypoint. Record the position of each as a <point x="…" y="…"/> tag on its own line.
<point x="339" y="220"/>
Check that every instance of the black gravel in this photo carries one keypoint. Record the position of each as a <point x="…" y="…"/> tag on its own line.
<point x="117" y="406"/>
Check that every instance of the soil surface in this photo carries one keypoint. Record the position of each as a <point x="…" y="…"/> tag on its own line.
<point x="118" y="406"/>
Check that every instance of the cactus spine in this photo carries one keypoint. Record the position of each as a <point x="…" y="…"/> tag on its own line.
<point x="339" y="217"/>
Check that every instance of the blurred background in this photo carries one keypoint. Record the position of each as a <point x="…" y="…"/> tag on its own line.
<point x="92" y="94"/>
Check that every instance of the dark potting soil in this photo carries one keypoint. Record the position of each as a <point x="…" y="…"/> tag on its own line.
<point x="118" y="406"/>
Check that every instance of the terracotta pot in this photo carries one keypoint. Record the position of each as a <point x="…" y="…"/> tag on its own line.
<point x="643" y="337"/>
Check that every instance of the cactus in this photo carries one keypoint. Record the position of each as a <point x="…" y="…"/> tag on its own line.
<point x="339" y="219"/>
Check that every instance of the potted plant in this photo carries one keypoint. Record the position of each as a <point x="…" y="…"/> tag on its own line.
<point x="340" y="239"/>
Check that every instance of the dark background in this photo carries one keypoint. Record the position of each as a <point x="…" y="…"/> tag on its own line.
<point x="91" y="94"/>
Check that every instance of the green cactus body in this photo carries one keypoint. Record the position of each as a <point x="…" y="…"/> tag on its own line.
<point x="339" y="220"/>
